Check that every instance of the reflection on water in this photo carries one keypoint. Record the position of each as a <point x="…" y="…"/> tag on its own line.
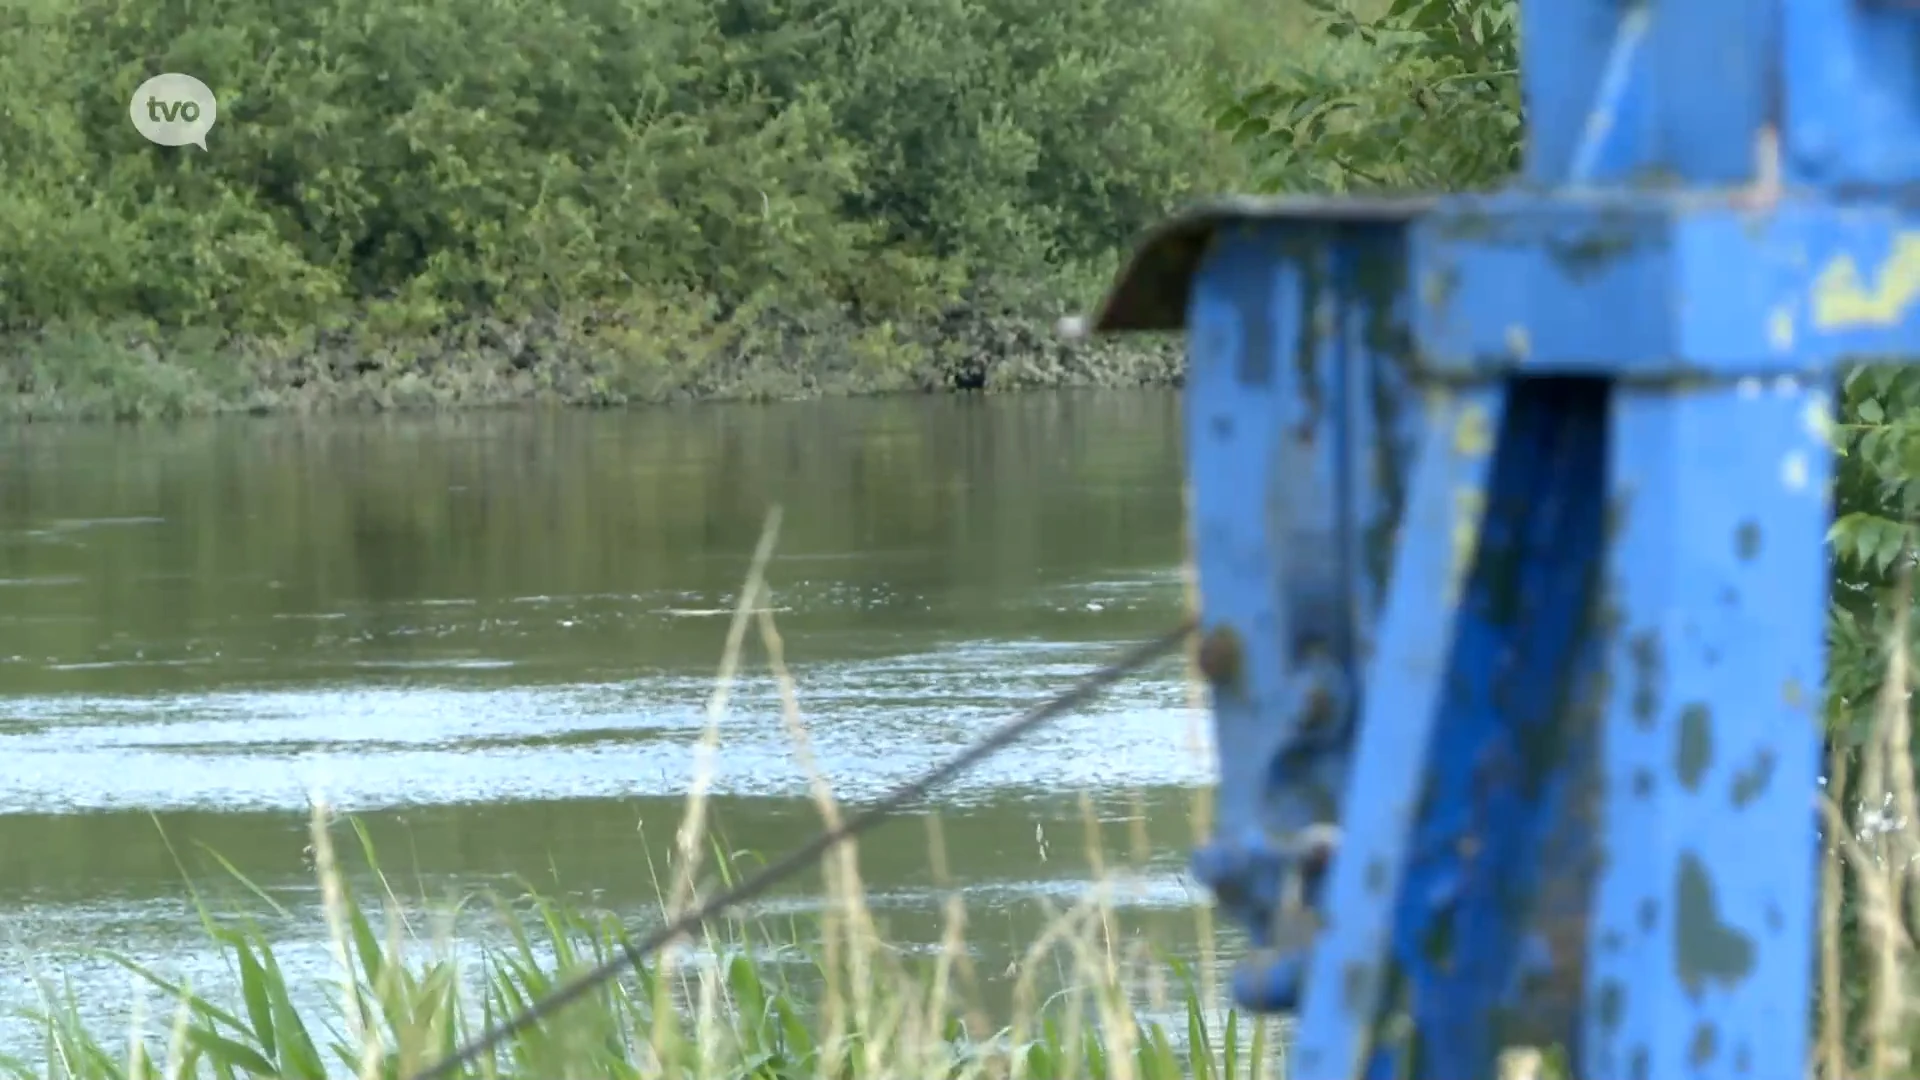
<point x="494" y="636"/>
<point x="873" y="724"/>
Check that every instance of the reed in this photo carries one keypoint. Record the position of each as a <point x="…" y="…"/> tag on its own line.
<point x="753" y="996"/>
<point x="826" y="996"/>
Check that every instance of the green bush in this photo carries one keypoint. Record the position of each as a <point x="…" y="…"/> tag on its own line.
<point x="434" y="158"/>
<point x="648" y="197"/>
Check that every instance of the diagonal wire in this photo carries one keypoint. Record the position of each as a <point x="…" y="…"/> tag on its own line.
<point x="809" y="853"/>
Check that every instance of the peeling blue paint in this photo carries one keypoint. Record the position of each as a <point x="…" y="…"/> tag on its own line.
<point x="1509" y="525"/>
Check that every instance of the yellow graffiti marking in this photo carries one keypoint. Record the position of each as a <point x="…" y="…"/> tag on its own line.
<point x="1842" y="299"/>
<point x="1469" y="504"/>
<point x="1519" y="342"/>
<point x="1780" y="330"/>
<point x="1472" y="433"/>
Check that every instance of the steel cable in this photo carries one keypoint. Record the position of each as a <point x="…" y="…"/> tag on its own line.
<point x="634" y="955"/>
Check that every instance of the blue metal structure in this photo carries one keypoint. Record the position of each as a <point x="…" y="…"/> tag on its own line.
<point x="1508" y="511"/>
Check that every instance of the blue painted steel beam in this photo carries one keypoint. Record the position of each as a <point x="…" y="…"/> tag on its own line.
<point x="1300" y="422"/>
<point x="1700" y="947"/>
<point x="1644" y="286"/>
<point x="1509" y="510"/>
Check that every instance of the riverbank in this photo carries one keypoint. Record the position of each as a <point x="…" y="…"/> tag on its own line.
<point x="594" y="204"/>
<point x="642" y="354"/>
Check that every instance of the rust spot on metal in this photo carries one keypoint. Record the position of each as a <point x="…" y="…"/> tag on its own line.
<point x="1749" y="783"/>
<point x="1437" y="943"/>
<point x="1705" y="949"/>
<point x="1317" y="327"/>
<point x="1259" y="338"/>
<point x="1705" y="1043"/>
<point x="1649" y="914"/>
<point x="1693" y="753"/>
<point x="1438" y="286"/>
<point x="1793" y="693"/>
<point x="1220" y="659"/>
<point x="1649" y="671"/>
<point x="1606" y="617"/>
<point x="1746" y="540"/>
<point x="1614" y="517"/>
<point x="1641" y="1067"/>
<point x="1376" y="877"/>
<point x="1318" y="713"/>
<point x="1317" y="855"/>
<point x="1612" y="1004"/>
<point x="1353" y="986"/>
<point x="1643" y="782"/>
<point x="1593" y="251"/>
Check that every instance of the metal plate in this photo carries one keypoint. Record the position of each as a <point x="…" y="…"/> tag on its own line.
<point x="1151" y="291"/>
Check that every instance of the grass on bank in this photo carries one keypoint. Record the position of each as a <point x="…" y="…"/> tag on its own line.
<point x="843" y="1004"/>
<point x="861" y="1009"/>
<point x="849" y="1007"/>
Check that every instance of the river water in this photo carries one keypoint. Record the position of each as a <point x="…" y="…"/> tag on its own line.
<point x="492" y="637"/>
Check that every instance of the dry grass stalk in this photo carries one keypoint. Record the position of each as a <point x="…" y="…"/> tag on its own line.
<point x="880" y="1019"/>
<point x="690" y="838"/>
<point x="333" y="906"/>
<point x="847" y="921"/>
<point x="1197" y="703"/>
<point x="1896" y="849"/>
<point x="1881" y="854"/>
<point x="1831" y="1051"/>
<point x="692" y="832"/>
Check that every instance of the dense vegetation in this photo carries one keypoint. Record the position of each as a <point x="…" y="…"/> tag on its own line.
<point x="605" y="199"/>
<point x="665" y="188"/>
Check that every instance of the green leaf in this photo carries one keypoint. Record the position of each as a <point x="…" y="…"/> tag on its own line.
<point x="226" y="1052"/>
<point x="253" y="991"/>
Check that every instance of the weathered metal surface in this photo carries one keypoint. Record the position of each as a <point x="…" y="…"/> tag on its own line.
<point x="1301" y="421"/>
<point x="1508" y="512"/>
<point x="1153" y="289"/>
<point x="1701" y="942"/>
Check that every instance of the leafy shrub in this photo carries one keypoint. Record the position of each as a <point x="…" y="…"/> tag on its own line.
<point x="434" y="158"/>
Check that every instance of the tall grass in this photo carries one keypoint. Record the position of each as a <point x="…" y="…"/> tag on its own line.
<point x="844" y="1004"/>
<point x="827" y="996"/>
<point x="406" y="992"/>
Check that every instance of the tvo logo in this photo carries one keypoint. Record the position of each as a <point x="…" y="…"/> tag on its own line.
<point x="174" y="110"/>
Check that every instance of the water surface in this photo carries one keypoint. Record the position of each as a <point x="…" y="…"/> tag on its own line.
<point x="493" y="638"/>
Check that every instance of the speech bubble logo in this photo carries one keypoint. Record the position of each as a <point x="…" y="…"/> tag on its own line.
<point x="173" y="110"/>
